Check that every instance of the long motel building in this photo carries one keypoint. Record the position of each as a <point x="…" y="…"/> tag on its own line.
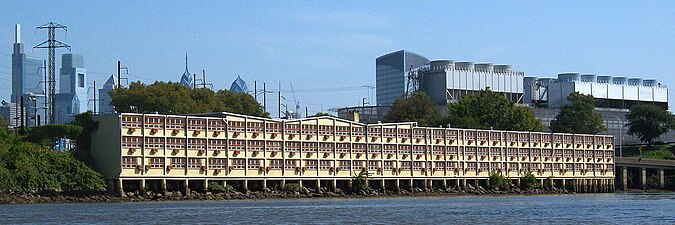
<point x="187" y="152"/>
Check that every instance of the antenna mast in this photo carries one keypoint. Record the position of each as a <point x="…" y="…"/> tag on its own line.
<point x="52" y="44"/>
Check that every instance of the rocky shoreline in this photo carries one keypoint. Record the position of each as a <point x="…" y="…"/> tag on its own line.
<point x="269" y="194"/>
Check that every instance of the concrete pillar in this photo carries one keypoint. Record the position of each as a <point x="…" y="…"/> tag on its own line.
<point x="464" y="182"/>
<point x="662" y="178"/>
<point x="142" y="187"/>
<point x="186" y="188"/>
<point x="397" y="184"/>
<point x="318" y="184"/>
<point x="411" y="184"/>
<point x="643" y="177"/>
<point x="562" y="182"/>
<point x="517" y="182"/>
<point x="225" y="184"/>
<point x="264" y="183"/>
<point x="349" y="183"/>
<point x="426" y="184"/>
<point x="300" y="183"/>
<point x="245" y="185"/>
<point x="541" y="182"/>
<point x="162" y="186"/>
<point x="334" y="186"/>
<point x="120" y="188"/>
<point x="624" y="178"/>
<point x="206" y="184"/>
<point x="475" y="182"/>
<point x="445" y="184"/>
<point x="283" y="184"/>
<point x="382" y="184"/>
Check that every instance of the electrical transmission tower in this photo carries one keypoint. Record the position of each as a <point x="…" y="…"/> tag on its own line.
<point x="412" y="84"/>
<point x="52" y="44"/>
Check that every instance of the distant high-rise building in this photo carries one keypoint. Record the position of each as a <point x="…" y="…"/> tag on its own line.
<point x="27" y="82"/>
<point x="390" y="74"/>
<point x="72" y="97"/>
<point x="239" y="86"/>
<point x="104" y="99"/>
<point x="186" y="78"/>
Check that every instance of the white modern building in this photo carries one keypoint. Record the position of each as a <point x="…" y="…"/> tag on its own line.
<point x="447" y="81"/>
<point x="72" y="98"/>
<point x="104" y="99"/>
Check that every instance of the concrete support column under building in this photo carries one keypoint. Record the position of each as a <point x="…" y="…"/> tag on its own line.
<point x="334" y="186"/>
<point x="186" y="188"/>
<point x="120" y="188"/>
<point x="142" y="187"/>
<point x="300" y="183"/>
<point x="264" y="183"/>
<point x="382" y="184"/>
<point x="206" y="184"/>
<point x="562" y="183"/>
<point x="318" y="184"/>
<point x="662" y="178"/>
<point x="624" y="178"/>
<point x="464" y="183"/>
<point x="245" y="185"/>
<point x="643" y="177"/>
<point x="282" y="183"/>
<point x="410" y="184"/>
<point x="162" y="186"/>
<point x="397" y="184"/>
<point x="425" y="186"/>
<point x="445" y="184"/>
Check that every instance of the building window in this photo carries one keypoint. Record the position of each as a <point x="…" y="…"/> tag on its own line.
<point x="80" y="80"/>
<point x="129" y="162"/>
<point x="178" y="162"/>
<point x="156" y="162"/>
<point x="194" y="163"/>
<point x="217" y="163"/>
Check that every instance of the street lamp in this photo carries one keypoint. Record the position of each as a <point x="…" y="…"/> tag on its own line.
<point x="620" y="137"/>
<point x="34" y="98"/>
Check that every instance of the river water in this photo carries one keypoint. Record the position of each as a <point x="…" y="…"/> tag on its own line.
<point x="619" y="208"/>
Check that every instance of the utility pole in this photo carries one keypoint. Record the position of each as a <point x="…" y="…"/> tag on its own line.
<point x="255" y="90"/>
<point x="119" y="77"/>
<point x="279" y="98"/>
<point x="194" y="81"/>
<point x="264" y="98"/>
<point x="204" y="79"/>
<point x="52" y="44"/>
<point x="306" y="112"/>
<point x="94" y="96"/>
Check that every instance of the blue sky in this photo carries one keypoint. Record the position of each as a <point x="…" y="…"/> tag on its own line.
<point x="322" y="46"/>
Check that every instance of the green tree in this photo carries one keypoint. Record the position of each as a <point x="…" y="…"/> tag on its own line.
<point x="579" y="116"/>
<point x="173" y="98"/>
<point x="649" y="122"/>
<point x="528" y="180"/>
<point x="416" y="108"/>
<point x="488" y="109"/>
<point x="320" y="114"/>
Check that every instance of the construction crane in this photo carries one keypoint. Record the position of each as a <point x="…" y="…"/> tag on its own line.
<point x="297" y="104"/>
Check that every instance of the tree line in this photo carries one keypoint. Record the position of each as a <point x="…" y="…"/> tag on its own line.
<point x="492" y="110"/>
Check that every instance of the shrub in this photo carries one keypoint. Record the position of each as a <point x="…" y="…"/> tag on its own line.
<point x="216" y="187"/>
<point x="653" y="181"/>
<point x="497" y="180"/>
<point x="528" y="180"/>
<point x="292" y="187"/>
<point x="658" y="154"/>
<point x="548" y="182"/>
<point x="360" y="182"/>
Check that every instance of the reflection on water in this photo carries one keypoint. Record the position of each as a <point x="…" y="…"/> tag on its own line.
<point x="631" y="208"/>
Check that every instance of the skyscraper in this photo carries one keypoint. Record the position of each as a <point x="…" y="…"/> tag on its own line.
<point x="186" y="78"/>
<point x="390" y="74"/>
<point x="72" y="97"/>
<point x="104" y="98"/>
<point x="239" y="86"/>
<point x="27" y="82"/>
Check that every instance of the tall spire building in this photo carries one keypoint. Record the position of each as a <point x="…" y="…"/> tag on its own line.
<point x="27" y="82"/>
<point x="186" y="79"/>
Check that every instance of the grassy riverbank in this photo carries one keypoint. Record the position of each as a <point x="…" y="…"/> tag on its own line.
<point x="29" y="167"/>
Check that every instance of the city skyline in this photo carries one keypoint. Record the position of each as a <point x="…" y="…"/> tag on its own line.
<point x="325" y="47"/>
